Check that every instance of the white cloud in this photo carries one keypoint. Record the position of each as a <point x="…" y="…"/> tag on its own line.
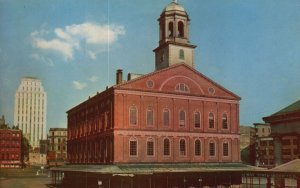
<point x="79" y="85"/>
<point x="62" y="47"/>
<point x="70" y="38"/>
<point x="93" y="79"/>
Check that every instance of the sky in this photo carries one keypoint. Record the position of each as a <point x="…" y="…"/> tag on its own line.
<point x="251" y="47"/>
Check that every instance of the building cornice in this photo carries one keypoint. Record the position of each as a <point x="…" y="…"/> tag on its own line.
<point x="174" y="96"/>
<point x="168" y="133"/>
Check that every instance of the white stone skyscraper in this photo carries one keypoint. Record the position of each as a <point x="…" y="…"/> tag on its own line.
<point x="30" y="110"/>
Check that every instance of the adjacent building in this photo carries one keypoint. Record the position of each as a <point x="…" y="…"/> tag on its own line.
<point x="264" y="145"/>
<point x="30" y="110"/>
<point x="247" y="144"/>
<point x="57" y="148"/>
<point x="285" y="131"/>
<point x="10" y="148"/>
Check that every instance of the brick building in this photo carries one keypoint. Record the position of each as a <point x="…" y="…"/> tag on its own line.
<point x="162" y="129"/>
<point x="57" y="145"/>
<point x="174" y="114"/>
<point x="285" y="130"/>
<point x="10" y="148"/>
<point x="165" y="116"/>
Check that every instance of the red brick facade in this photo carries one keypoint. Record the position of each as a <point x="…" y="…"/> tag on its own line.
<point x="10" y="148"/>
<point x="172" y="115"/>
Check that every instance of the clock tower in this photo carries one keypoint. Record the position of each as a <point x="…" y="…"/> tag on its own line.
<point x="174" y="45"/>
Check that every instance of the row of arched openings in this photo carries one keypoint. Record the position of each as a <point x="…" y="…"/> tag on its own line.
<point x="180" y="29"/>
<point x="133" y="116"/>
<point x="150" y="147"/>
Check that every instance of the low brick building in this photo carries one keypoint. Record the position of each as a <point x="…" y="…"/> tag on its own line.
<point x="10" y="148"/>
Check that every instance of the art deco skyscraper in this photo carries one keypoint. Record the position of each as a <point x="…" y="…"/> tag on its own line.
<point x="30" y="110"/>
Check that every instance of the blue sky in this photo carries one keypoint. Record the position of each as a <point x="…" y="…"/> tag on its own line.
<point x="251" y="47"/>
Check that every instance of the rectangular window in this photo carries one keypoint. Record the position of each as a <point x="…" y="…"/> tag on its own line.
<point x="225" y="149"/>
<point x="149" y="117"/>
<point x="133" y="116"/>
<point x="108" y="120"/>
<point x="211" y="120"/>
<point x="133" y="148"/>
<point x="197" y="120"/>
<point x="150" y="148"/>
<point x="166" y="117"/>
<point x="211" y="123"/>
<point x="197" y="148"/>
<point x="224" y="121"/>
<point x="182" y="118"/>
<point x="212" y="149"/>
<point x="182" y="147"/>
<point x="166" y="147"/>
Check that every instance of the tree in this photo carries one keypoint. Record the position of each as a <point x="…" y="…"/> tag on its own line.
<point x="25" y="150"/>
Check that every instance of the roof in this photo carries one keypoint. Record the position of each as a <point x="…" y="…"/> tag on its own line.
<point x="292" y="166"/>
<point x="58" y="129"/>
<point x="174" y="7"/>
<point x="139" y="169"/>
<point x="291" y="108"/>
<point x="30" y="77"/>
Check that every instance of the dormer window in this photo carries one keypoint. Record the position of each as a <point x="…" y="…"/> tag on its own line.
<point x="181" y="87"/>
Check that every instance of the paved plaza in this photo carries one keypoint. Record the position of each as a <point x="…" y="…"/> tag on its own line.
<point x="24" y="178"/>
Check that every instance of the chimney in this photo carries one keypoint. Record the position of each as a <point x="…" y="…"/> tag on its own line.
<point x="119" y="76"/>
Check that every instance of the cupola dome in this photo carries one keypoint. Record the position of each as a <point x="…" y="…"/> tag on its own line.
<point x="174" y="7"/>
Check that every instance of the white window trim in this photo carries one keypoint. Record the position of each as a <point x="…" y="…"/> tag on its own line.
<point x="148" y="140"/>
<point x="185" y="147"/>
<point x="137" y="146"/>
<point x="170" y="148"/>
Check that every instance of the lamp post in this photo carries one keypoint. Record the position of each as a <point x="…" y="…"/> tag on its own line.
<point x="200" y="181"/>
<point x="99" y="183"/>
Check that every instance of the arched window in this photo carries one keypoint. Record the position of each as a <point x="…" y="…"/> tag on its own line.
<point x="197" y="148"/>
<point x="166" y="117"/>
<point x="171" y="30"/>
<point x="181" y="87"/>
<point x="181" y="118"/>
<point x="180" y="29"/>
<point x="225" y="149"/>
<point x="211" y="119"/>
<point x="133" y="147"/>
<point x="166" y="146"/>
<point x="150" y="116"/>
<point x="224" y="121"/>
<point x="212" y="148"/>
<point x="197" y="119"/>
<point x="181" y="54"/>
<point x="182" y="148"/>
<point x="150" y="147"/>
<point x="133" y="115"/>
